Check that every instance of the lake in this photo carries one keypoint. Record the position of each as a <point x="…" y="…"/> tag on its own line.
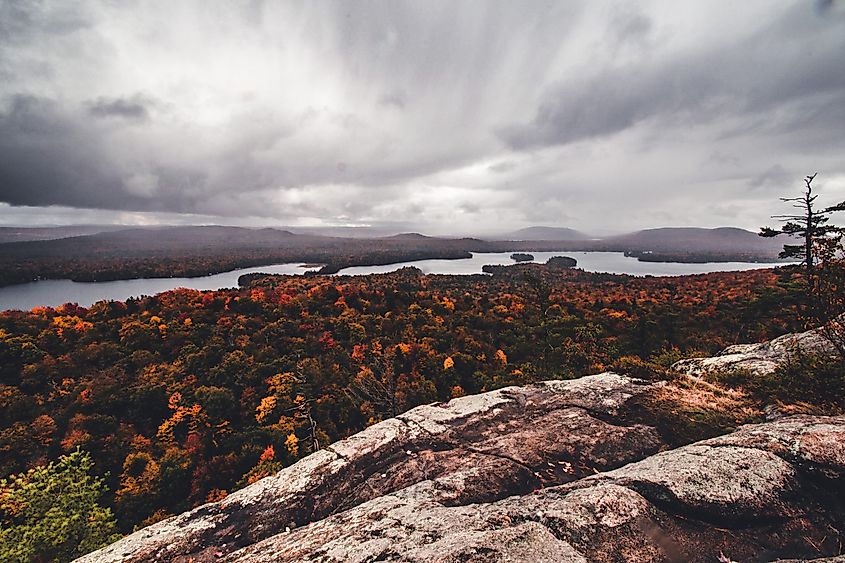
<point x="610" y="262"/>
<point x="51" y="293"/>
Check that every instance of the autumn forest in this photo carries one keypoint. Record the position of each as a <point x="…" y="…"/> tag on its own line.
<point x="186" y="396"/>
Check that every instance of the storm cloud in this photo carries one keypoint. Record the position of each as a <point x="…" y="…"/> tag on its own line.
<point x="127" y="108"/>
<point x="460" y="116"/>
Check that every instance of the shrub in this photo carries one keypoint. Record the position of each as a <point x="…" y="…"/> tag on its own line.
<point x="818" y="379"/>
<point x="639" y="368"/>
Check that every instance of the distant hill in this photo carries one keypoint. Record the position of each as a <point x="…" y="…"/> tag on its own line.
<point x="665" y="244"/>
<point x="19" y="234"/>
<point x="546" y="233"/>
<point x="345" y="232"/>
<point x="695" y="239"/>
<point x="185" y="238"/>
<point x="409" y="236"/>
<point x="187" y="251"/>
<point x="201" y="250"/>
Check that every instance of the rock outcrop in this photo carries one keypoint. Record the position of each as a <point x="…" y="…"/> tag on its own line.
<point x="761" y="358"/>
<point x="559" y="471"/>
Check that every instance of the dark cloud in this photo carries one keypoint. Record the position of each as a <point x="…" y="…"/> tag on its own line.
<point x="126" y="108"/>
<point x="504" y="166"/>
<point x="21" y="19"/>
<point x="750" y="77"/>
<point x="629" y="28"/>
<point x="776" y="175"/>
<point x="51" y="157"/>
<point x="825" y="6"/>
<point x="46" y="160"/>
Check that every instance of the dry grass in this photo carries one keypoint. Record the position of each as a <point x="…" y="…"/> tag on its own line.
<point x="688" y="409"/>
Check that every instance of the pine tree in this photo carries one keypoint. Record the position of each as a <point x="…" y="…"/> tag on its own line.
<point x="811" y="225"/>
<point x="821" y="256"/>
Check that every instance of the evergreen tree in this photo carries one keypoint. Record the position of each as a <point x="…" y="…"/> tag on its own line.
<point x="819" y="253"/>
<point x="810" y="225"/>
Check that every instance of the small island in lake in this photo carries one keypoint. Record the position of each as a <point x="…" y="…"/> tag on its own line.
<point x="553" y="263"/>
<point x="522" y="257"/>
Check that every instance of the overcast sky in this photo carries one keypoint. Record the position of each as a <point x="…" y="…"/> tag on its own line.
<point x="448" y="116"/>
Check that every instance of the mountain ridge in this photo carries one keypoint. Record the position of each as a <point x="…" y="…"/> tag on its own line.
<point x="188" y="251"/>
